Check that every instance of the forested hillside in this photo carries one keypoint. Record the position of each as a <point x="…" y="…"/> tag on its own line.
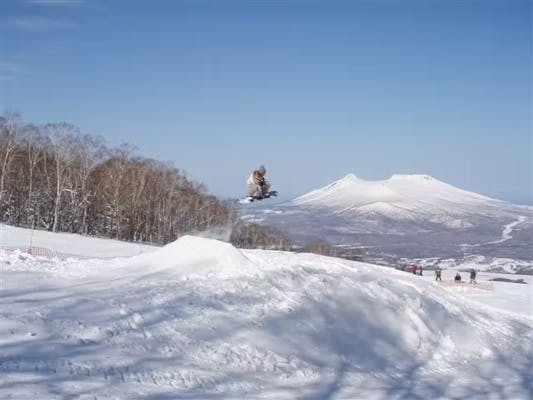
<point x="57" y="178"/>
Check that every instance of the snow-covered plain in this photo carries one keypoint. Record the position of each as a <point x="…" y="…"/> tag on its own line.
<point x="200" y="319"/>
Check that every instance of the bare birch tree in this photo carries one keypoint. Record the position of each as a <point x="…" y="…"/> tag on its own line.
<point x="62" y="140"/>
<point x="8" y="131"/>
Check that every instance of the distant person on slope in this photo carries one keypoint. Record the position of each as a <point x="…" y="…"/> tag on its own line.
<point x="473" y="276"/>
<point x="457" y="278"/>
<point x="438" y="272"/>
<point x="257" y="184"/>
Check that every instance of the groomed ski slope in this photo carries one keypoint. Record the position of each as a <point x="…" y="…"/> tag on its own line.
<point x="199" y="319"/>
<point x="68" y="244"/>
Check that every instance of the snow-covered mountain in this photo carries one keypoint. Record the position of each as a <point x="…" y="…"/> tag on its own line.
<point x="201" y="319"/>
<point x="405" y="216"/>
<point x="401" y="197"/>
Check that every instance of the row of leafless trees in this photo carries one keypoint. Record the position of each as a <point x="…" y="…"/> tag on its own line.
<point x="55" y="178"/>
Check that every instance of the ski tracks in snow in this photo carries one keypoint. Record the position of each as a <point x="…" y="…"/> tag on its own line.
<point x="140" y="337"/>
<point x="296" y="326"/>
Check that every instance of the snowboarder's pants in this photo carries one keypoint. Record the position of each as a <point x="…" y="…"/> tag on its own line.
<point x="255" y="190"/>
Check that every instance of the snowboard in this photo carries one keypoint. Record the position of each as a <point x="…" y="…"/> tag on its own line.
<point x="272" y="193"/>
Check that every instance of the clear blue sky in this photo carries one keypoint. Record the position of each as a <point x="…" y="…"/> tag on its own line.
<point x="313" y="90"/>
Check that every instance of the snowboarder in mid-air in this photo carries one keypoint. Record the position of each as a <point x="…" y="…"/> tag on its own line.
<point x="258" y="186"/>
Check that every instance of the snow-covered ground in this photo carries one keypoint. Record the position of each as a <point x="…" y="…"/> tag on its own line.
<point x="509" y="296"/>
<point x="478" y="262"/>
<point x="67" y="244"/>
<point x="200" y="319"/>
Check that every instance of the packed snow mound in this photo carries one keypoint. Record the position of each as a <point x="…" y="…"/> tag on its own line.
<point x="300" y="326"/>
<point x="194" y="256"/>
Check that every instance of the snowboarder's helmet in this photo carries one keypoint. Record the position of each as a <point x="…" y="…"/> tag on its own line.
<point x="262" y="169"/>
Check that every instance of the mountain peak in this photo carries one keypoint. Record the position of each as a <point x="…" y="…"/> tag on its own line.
<point x="413" y="177"/>
<point x="346" y="191"/>
<point x="350" y="177"/>
<point x="346" y="180"/>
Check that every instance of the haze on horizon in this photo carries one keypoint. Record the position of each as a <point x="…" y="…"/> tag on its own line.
<point x="312" y="90"/>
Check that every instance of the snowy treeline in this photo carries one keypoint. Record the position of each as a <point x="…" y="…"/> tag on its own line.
<point x="56" y="178"/>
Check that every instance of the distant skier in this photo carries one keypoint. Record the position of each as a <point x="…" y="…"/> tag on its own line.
<point x="257" y="184"/>
<point x="420" y="271"/>
<point x="438" y="272"/>
<point x="473" y="276"/>
<point x="414" y="269"/>
<point x="457" y="278"/>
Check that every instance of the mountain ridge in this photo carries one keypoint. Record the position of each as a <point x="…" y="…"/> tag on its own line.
<point x="354" y="191"/>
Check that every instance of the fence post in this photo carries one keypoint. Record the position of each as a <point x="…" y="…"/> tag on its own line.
<point x="31" y="237"/>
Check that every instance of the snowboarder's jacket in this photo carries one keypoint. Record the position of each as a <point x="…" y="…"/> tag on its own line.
<point x="257" y="178"/>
